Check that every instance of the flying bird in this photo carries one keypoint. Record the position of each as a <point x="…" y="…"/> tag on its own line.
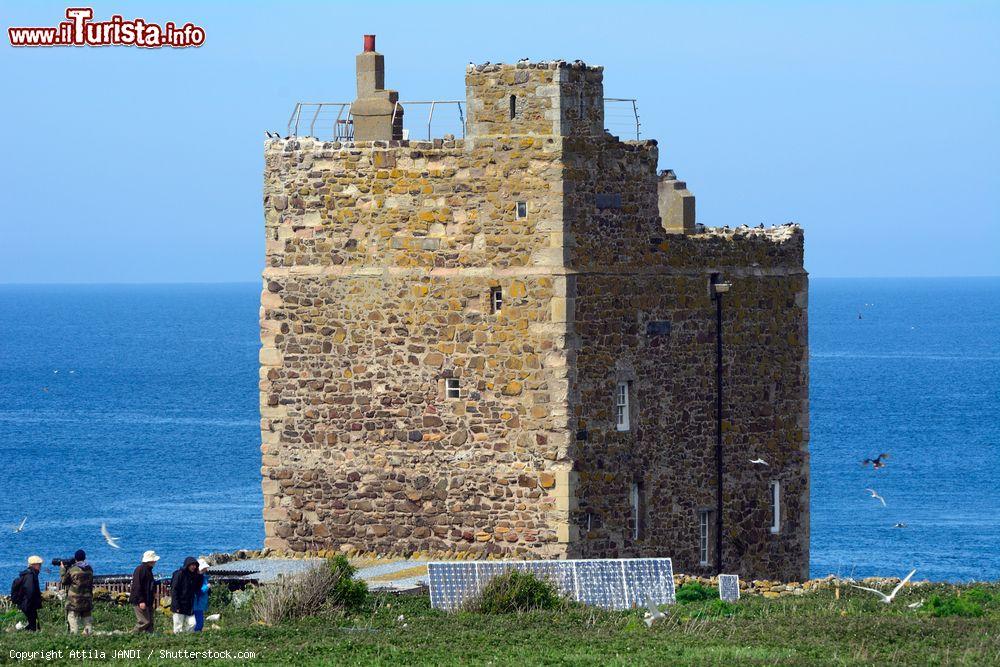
<point x="211" y="618"/>
<point x="891" y="596"/>
<point x="900" y="525"/>
<point x="877" y="462"/>
<point x="876" y="496"/>
<point x="19" y="528"/>
<point x="654" y="614"/>
<point x="916" y="605"/>
<point x="112" y="541"/>
<point x="759" y="462"/>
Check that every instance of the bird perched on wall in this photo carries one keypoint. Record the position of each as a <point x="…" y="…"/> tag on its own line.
<point x="887" y="599"/>
<point x="878" y="461"/>
<point x="112" y="541"/>
<point x="876" y="496"/>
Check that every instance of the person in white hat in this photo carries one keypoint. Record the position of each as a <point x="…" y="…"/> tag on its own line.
<point x="142" y="597"/>
<point x="27" y="594"/>
<point x="201" y="596"/>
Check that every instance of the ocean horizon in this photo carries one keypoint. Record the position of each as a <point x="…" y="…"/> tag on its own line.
<point x="137" y="405"/>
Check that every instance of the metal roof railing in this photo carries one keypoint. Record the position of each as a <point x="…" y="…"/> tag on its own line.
<point x="625" y="110"/>
<point x="335" y="117"/>
<point x="433" y="104"/>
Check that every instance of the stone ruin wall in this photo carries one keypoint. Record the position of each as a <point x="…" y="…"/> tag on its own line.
<point x="380" y="261"/>
<point x="627" y="273"/>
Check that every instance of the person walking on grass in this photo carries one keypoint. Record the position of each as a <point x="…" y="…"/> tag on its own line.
<point x="78" y="582"/>
<point x="27" y="594"/>
<point x="201" y="596"/>
<point x="184" y="586"/>
<point x="143" y="592"/>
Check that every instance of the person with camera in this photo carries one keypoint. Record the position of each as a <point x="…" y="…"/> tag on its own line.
<point x="184" y="587"/>
<point x="77" y="577"/>
<point x="143" y="592"/>
<point x="27" y="594"/>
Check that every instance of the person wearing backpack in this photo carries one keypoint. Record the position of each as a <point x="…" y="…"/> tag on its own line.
<point x="78" y="582"/>
<point x="27" y="594"/>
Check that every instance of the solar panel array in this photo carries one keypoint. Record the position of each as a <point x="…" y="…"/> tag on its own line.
<point x="620" y="583"/>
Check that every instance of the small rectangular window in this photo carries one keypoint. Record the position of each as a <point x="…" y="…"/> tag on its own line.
<point x="637" y="500"/>
<point x="621" y="407"/>
<point x="496" y="299"/>
<point x="775" y="506"/>
<point x="451" y="388"/>
<point x="703" y="528"/>
<point x="521" y="210"/>
<point x="513" y="106"/>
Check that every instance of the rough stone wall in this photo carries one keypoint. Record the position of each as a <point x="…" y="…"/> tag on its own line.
<point x="630" y="274"/>
<point x="551" y="98"/>
<point x="380" y="261"/>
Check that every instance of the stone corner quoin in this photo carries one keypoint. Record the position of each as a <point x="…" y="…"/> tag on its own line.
<point x="507" y="344"/>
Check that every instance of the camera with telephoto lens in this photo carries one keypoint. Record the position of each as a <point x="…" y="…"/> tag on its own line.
<point x="63" y="562"/>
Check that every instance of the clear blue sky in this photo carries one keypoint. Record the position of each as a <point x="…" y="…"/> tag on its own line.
<point x="874" y="125"/>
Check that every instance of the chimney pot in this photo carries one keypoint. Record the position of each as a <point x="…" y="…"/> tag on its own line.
<point x="369" y="43"/>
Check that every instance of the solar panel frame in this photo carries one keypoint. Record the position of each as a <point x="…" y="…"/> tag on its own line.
<point x="620" y="583"/>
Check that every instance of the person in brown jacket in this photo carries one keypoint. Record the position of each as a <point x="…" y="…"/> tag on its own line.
<point x="143" y="592"/>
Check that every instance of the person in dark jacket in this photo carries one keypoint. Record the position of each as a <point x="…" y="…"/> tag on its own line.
<point x="184" y="587"/>
<point x="143" y="593"/>
<point x="29" y="598"/>
<point x="78" y="582"/>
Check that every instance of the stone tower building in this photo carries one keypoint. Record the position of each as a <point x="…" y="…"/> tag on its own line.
<point x="520" y="343"/>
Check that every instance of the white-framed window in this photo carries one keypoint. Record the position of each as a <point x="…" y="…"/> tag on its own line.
<point x="704" y="517"/>
<point x="451" y="388"/>
<point x="636" y="500"/>
<point x="521" y="210"/>
<point x="621" y="407"/>
<point x="496" y="299"/>
<point x="775" y="506"/>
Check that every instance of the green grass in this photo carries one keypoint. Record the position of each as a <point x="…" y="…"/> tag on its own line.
<point x="811" y="629"/>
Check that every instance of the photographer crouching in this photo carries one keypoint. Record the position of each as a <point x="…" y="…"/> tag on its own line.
<point x="77" y="579"/>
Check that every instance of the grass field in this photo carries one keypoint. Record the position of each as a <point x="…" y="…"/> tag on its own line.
<point x="955" y="625"/>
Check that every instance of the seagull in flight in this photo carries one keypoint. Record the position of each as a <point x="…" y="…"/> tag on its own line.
<point x="891" y="596"/>
<point x="758" y="462"/>
<point x="654" y="614"/>
<point x="20" y="528"/>
<point x="900" y="525"/>
<point x="876" y="496"/>
<point x="916" y="605"/>
<point x="877" y="462"/>
<point x="112" y="541"/>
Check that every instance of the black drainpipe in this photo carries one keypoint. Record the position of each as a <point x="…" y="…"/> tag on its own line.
<point x="718" y="424"/>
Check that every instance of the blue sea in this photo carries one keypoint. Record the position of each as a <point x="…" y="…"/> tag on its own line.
<point x="137" y="406"/>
